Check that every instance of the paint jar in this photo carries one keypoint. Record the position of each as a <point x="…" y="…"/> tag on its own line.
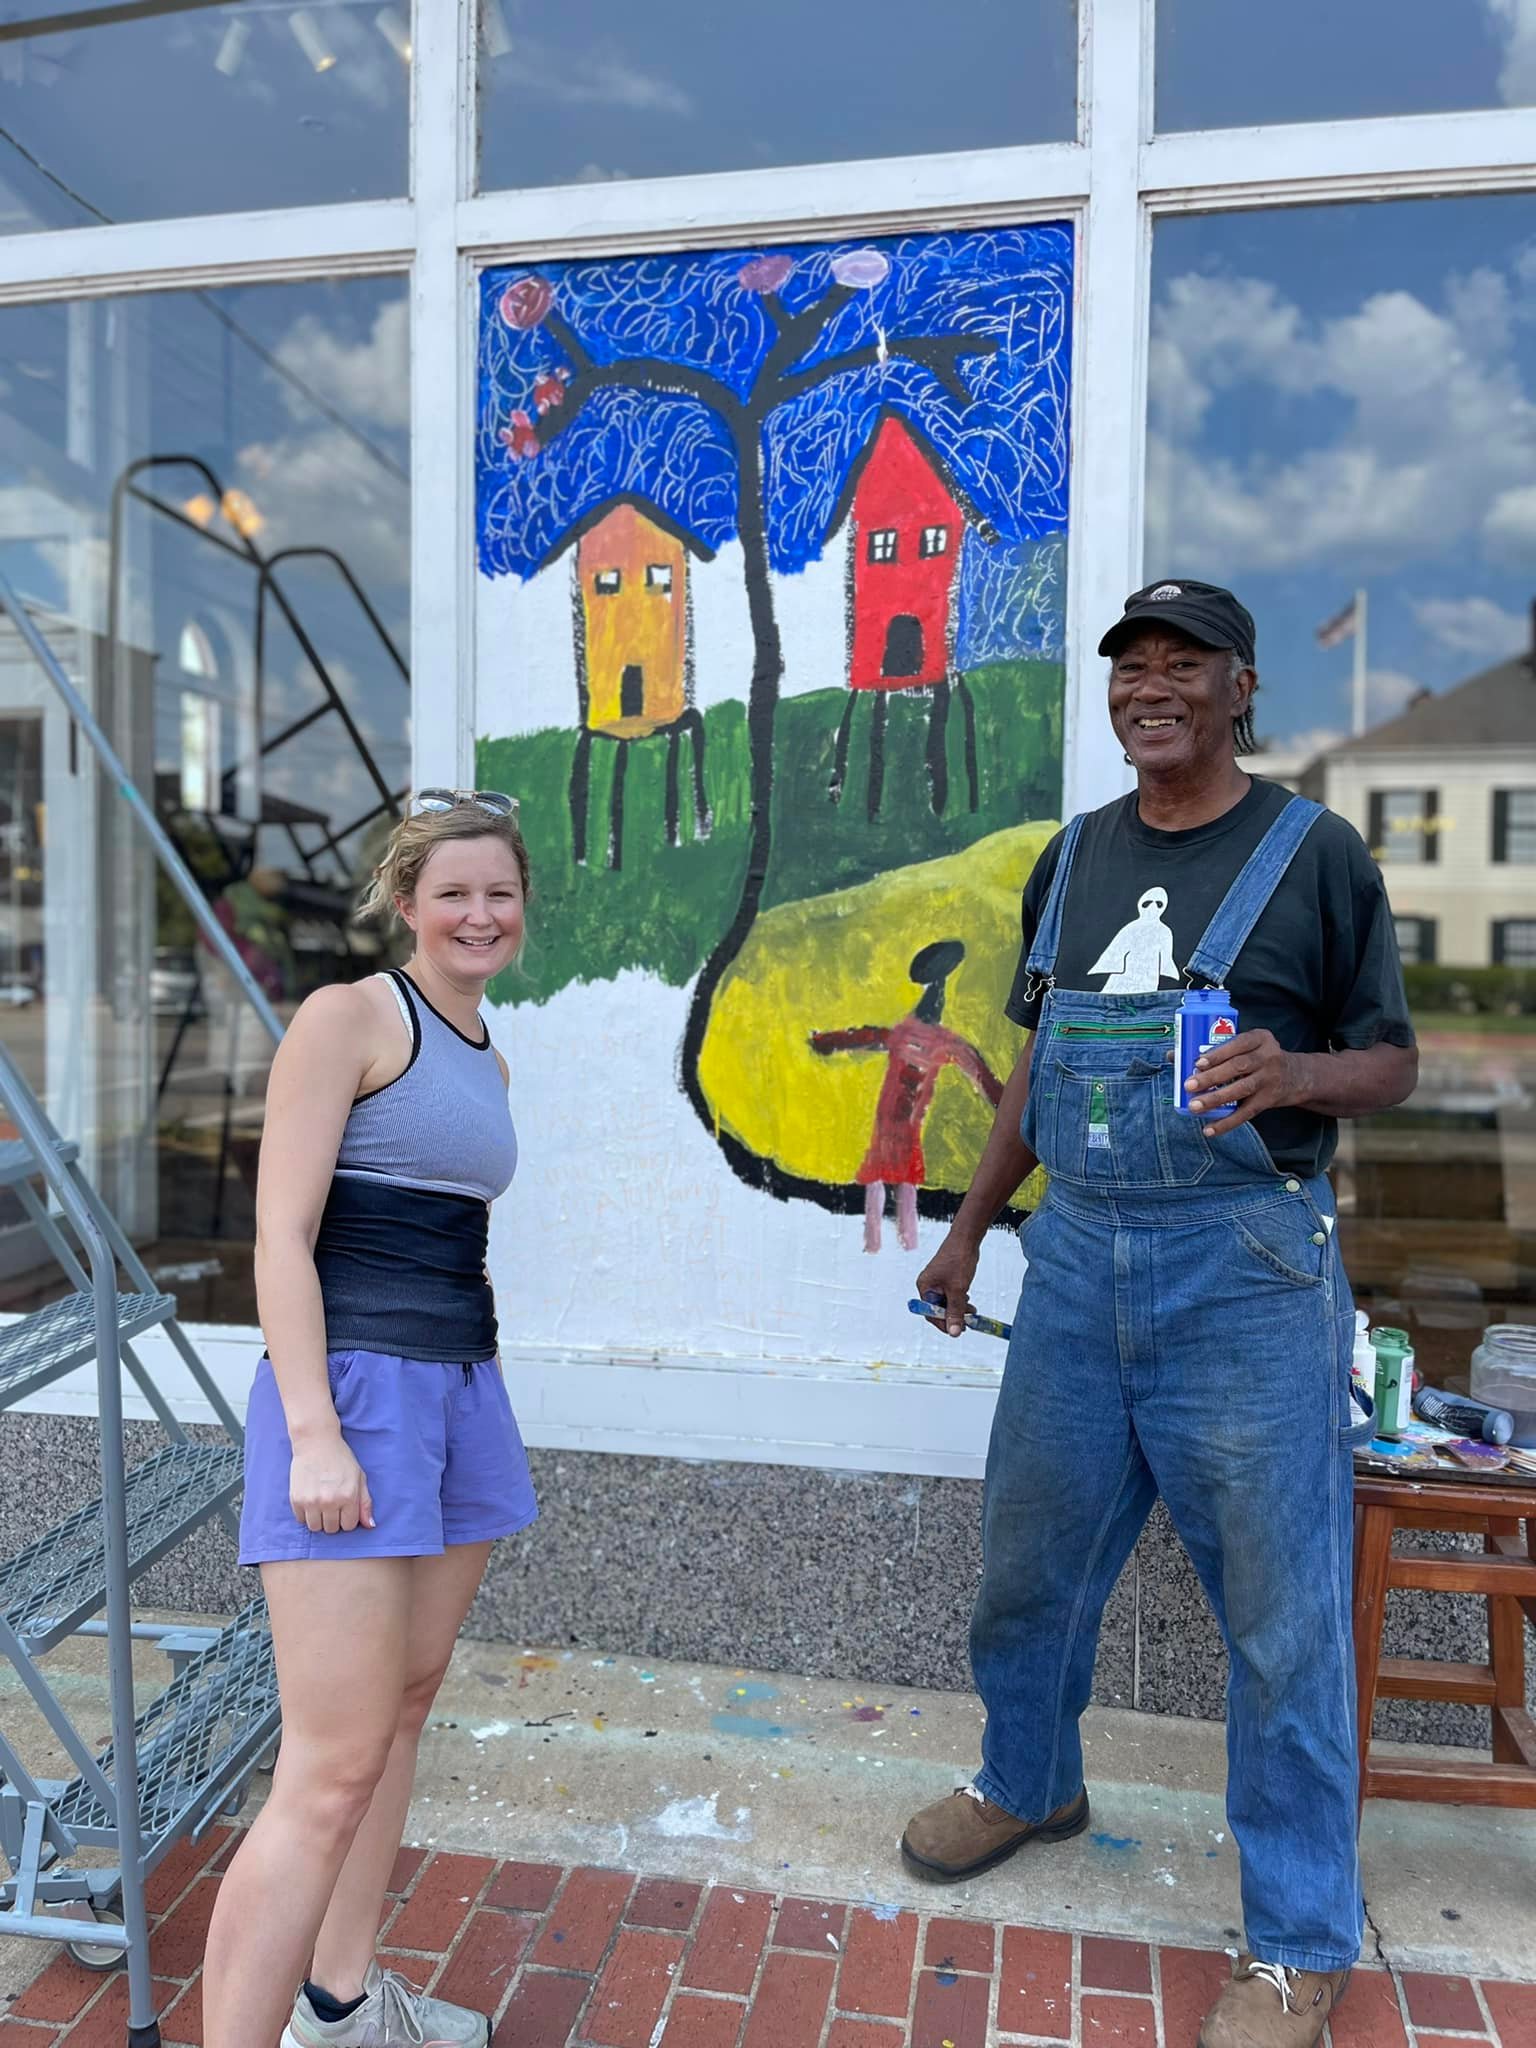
<point x="1504" y="1376"/>
<point x="1394" y="1381"/>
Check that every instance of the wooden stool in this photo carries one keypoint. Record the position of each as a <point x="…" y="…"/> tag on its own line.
<point x="1506" y="1575"/>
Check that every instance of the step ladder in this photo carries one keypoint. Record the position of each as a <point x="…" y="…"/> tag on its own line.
<point x="167" y="1771"/>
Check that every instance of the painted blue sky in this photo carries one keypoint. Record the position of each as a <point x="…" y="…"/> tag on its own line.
<point x="1346" y="395"/>
<point x="1003" y="440"/>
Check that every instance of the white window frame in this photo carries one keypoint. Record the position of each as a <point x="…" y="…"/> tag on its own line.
<point x="1113" y="184"/>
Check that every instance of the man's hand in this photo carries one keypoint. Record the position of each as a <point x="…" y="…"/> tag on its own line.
<point x="949" y="1274"/>
<point x="1252" y="1071"/>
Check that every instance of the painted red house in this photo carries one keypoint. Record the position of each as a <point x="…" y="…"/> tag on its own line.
<point x="906" y="524"/>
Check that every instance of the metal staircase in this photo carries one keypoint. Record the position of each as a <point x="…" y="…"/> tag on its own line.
<point x="168" y="1770"/>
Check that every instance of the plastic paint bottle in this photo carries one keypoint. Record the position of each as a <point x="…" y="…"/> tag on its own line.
<point x="1362" y="1365"/>
<point x="1394" y="1381"/>
<point x="1474" y="1420"/>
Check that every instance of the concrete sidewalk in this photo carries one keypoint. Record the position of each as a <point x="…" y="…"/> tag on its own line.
<point x="804" y="1785"/>
<point x="786" y="1787"/>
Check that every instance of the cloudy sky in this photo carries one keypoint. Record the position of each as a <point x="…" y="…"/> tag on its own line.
<point x="1346" y="396"/>
<point x="1226" y="64"/>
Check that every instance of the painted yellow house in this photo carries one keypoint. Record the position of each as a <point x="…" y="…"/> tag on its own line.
<point x="633" y="577"/>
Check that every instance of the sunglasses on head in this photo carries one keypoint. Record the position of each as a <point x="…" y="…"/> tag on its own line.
<point x="433" y="802"/>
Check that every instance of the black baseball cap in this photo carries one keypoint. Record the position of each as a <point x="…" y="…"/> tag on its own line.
<point x="1204" y="611"/>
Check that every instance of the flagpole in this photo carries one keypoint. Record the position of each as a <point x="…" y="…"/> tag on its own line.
<point x="1360" y="667"/>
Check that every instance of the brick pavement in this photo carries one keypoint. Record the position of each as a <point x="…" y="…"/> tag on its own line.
<point x="603" y="1959"/>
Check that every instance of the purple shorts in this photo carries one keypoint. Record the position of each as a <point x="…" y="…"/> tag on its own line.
<point x="439" y="1445"/>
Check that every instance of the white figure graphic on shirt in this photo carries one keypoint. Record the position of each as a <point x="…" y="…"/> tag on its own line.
<point x="1139" y="958"/>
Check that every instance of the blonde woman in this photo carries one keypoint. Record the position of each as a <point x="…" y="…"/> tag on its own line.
<point x="382" y="1457"/>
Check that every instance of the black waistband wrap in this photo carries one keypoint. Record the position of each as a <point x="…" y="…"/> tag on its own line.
<point x="402" y="1271"/>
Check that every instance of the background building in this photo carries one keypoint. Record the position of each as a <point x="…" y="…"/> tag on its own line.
<point x="1445" y="796"/>
<point x="334" y="338"/>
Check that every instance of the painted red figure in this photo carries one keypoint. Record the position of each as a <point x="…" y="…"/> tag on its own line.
<point x="917" y="1051"/>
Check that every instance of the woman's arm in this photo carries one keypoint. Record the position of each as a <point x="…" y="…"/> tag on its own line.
<point x="316" y="1074"/>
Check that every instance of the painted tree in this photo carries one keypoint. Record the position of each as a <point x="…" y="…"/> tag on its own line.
<point x="734" y="392"/>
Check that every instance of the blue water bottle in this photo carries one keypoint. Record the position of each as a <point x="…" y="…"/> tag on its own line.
<point x="1205" y="1019"/>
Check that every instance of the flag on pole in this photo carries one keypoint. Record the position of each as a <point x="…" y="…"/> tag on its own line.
<point x="1333" y="632"/>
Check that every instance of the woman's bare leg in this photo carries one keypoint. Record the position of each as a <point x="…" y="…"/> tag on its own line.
<point x="441" y="1591"/>
<point x="341" y="1632"/>
<point x="874" y="1214"/>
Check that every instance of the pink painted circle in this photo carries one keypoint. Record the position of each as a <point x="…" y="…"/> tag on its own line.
<point x="765" y="273"/>
<point x="525" y="303"/>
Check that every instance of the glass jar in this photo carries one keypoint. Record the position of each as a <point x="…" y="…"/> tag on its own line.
<point x="1504" y="1376"/>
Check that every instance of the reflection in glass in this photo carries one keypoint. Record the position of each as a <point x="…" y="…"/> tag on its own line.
<point x="611" y="90"/>
<point x="203" y="500"/>
<point x="1226" y="66"/>
<point x="143" y="112"/>
<point x="1343" y="399"/>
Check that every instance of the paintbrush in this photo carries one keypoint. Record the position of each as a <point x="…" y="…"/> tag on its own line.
<point x="989" y="1326"/>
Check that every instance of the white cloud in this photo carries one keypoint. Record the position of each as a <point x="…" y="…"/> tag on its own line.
<point x="1510" y="526"/>
<point x="591" y="78"/>
<point x="1471" y="625"/>
<point x="1514" y="24"/>
<point x="1302" y="747"/>
<point x="1387" y="692"/>
<point x="366" y="380"/>
<point x="1436" y="433"/>
<point x="320" y="485"/>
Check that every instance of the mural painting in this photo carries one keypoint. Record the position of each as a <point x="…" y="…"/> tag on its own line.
<point x="772" y="577"/>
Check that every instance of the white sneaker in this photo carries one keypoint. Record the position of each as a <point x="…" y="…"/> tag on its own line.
<point x="393" y="2014"/>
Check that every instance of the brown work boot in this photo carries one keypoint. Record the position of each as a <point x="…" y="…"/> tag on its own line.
<point x="965" y="1834"/>
<point x="1269" y="2006"/>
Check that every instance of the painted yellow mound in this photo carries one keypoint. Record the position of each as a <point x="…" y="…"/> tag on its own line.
<point x="835" y="961"/>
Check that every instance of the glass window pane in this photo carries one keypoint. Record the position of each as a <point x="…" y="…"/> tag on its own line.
<point x="1226" y="66"/>
<point x="1342" y="428"/>
<point x="1515" y="826"/>
<point x="204" y="503"/>
<point x="610" y="90"/>
<point x="210" y="108"/>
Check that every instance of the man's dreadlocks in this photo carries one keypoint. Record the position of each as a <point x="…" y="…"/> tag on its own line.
<point x="1244" y="738"/>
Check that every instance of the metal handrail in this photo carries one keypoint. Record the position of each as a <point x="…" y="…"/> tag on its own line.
<point x="182" y="878"/>
<point x="121" y="1793"/>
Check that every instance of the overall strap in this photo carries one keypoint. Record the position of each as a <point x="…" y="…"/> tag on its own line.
<point x="1245" y="902"/>
<point x="1042" y="954"/>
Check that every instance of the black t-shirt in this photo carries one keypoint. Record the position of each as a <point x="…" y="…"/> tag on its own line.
<point x="1320" y="969"/>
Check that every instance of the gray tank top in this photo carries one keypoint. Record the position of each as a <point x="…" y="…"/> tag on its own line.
<point x="444" y="1123"/>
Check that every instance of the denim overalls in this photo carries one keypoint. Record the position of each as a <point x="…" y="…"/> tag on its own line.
<point x="1185" y="1328"/>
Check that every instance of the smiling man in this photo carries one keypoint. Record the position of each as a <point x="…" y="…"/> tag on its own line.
<point x="1185" y="1326"/>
